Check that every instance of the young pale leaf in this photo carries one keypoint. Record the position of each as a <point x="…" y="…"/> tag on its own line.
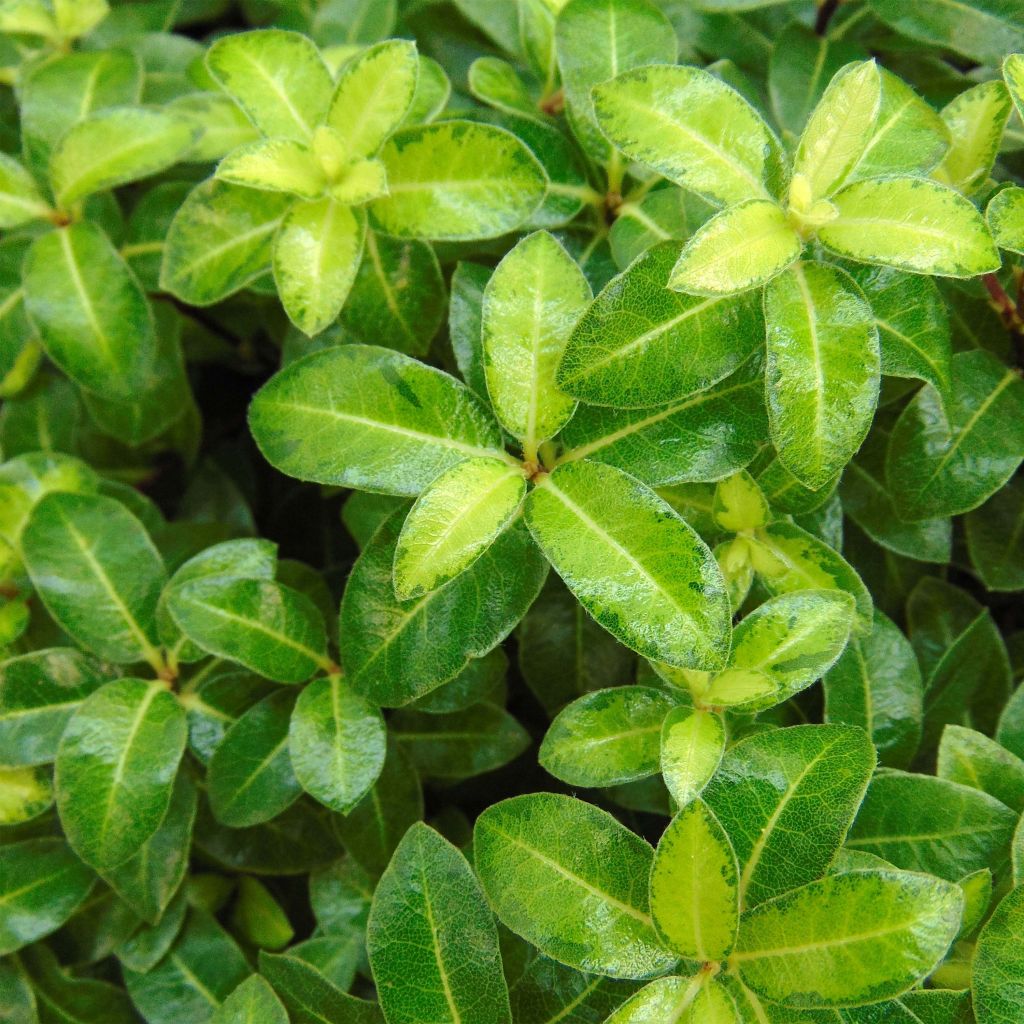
<point x="784" y="646"/>
<point x="531" y="304"/>
<point x="598" y="39"/>
<point x="943" y="462"/>
<point x="697" y="1000"/>
<point x="692" y="128"/>
<point x="639" y="344"/>
<point x="274" y="165"/>
<point x="310" y="998"/>
<point x="913" y="224"/>
<point x="822" y="371"/>
<point x="468" y="742"/>
<point x="976" y="120"/>
<point x="1005" y="215"/>
<point x="337" y="741"/>
<point x="786" y="798"/>
<point x="921" y="823"/>
<point x="316" y="255"/>
<point x="997" y="971"/>
<point x="705" y="436"/>
<point x="607" y="737"/>
<point x="876" y="684"/>
<point x="20" y="198"/>
<point x="552" y="865"/>
<point x="972" y="759"/>
<point x="92" y="317"/>
<point x="24" y="794"/>
<point x="116" y="146"/>
<point x="250" y="778"/>
<point x="115" y="769"/>
<point x="458" y="181"/>
<point x="97" y="572"/>
<point x="41" y="884"/>
<point x="39" y="692"/>
<point x="220" y="241"/>
<point x="695" y="886"/>
<point x="692" y="745"/>
<point x="839" y="129"/>
<point x="740" y="248"/>
<point x="454" y="521"/>
<point x="395" y="651"/>
<point x="1013" y="75"/>
<point x="659" y="589"/>
<point x="431" y="939"/>
<point x="253" y="1002"/>
<point x="848" y="939"/>
<point x="265" y="626"/>
<point x="399" y="423"/>
<point x="372" y="96"/>
<point x="277" y="78"/>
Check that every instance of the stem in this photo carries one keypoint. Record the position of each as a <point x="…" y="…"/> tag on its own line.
<point x="1005" y="306"/>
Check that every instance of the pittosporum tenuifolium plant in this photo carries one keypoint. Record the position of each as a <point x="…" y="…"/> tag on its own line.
<point x="510" y="512"/>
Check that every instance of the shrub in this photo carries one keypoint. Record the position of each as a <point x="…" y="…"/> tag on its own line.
<point x="510" y="512"/>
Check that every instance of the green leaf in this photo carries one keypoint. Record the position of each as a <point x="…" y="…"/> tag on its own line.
<point x="838" y="130"/>
<point x="115" y="769"/>
<point x="787" y="558"/>
<point x="92" y="317"/>
<point x="250" y="778"/>
<point x="782" y="647"/>
<point x="336" y="741"/>
<point x="274" y="165"/>
<point x="740" y="248"/>
<point x="692" y="745"/>
<point x="277" y="78"/>
<point x="692" y="128"/>
<point x="98" y="574"/>
<point x="848" y="939"/>
<point x="943" y="463"/>
<point x="395" y="651"/>
<point x="822" y="371"/>
<point x="431" y="939"/>
<point x="39" y="692"/>
<point x="640" y="344"/>
<point x="876" y="684"/>
<point x="997" y="972"/>
<point x="253" y="1002"/>
<point x="531" y="304"/>
<point x="116" y="146"/>
<point x="454" y="521"/>
<point x="921" y="823"/>
<point x="984" y="30"/>
<point x="73" y="999"/>
<point x="476" y="739"/>
<point x="265" y="626"/>
<point x="972" y="759"/>
<point x="202" y="969"/>
<point x="375" y="826"/>
<point x="41" y="884"/>
<point x="220" y="241"/>
<point x="20" y="198"/>
<point x="483" y="679"/>
<point x="457" y="181"/>
<point x="976" y="120"/>
<point x="596" y="40"/>
<point x="995" y="540"/>
<point x="1005" y="216"/>
<point x="697" y="1000"/>
<point x="316" y="255"/>
<point x="378" y="84"/>
<point x="310" y="998"/>
<point x="552" y="865"/>
<point x="786" y="799"/>
<point x="704" y="436"/>
<point x="695" y="886"/>
<point x="913" y="224"/>
<point x="607" y="737"/>
<point x="547" y="988"/>
<point x="658" y="590"/>
<point x="399" y="422"/>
